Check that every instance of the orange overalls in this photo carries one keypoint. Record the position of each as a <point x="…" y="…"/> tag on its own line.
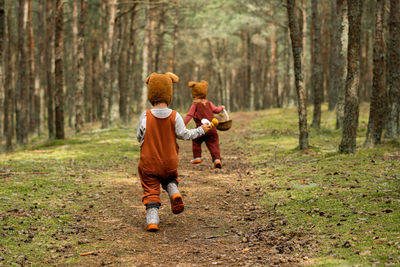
<point x="158" y="162"/>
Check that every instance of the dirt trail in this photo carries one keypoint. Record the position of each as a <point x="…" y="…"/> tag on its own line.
<point x="223" y="222"/>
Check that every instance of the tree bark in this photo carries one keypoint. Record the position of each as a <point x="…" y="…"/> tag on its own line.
<point x="274" y="74"/>
<point x="49" y="55"/>
<point x="2" y="34"/>
<point x="8" y="90"/>
<point x="131" y="70"/>
<point x="377" y="110"/>
<point x="39" y="64"/>
<point x="160" y="38"/>
<point x="392" y="123"/>
<point x="145" y="58"/>
<point x="297" y="48"/>
<point x="22" y="81"/>
<point x="336" y="80"/>
<point x="316" y="65"/>
<point x="59" y="46"/>
<point x="80" y="83"/>
<point x="172" y="60"/>
<point x="122" y="74"/>
<point x="31" y="71"/>
<point x="351" y="108"/>
<point x="105" y="121"/>
<point x="342" y="66"/>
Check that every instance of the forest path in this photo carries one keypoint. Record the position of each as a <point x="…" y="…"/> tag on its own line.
<point x="223" y="222"/>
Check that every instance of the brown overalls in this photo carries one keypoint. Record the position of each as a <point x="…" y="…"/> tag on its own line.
<point x="158" y="162"/>
<point x="204" y="111"/>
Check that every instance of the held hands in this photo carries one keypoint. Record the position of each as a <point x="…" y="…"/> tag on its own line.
<point x="206" y="127"/>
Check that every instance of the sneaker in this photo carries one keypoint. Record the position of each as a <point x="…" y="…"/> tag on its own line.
<point x="217" y="164"/>
<point x="177" y="203"/>
<point x="196" y="161"/>
<point x="153" y="227"/>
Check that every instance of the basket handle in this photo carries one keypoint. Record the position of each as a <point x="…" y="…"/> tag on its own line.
<point x="226" y="114"/>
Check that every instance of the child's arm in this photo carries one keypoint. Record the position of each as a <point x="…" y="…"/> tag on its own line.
<point x="216" y="109"/>
<point x="190" y="114"/>
<point x="185" y="134"/>
<point x="141" y="129"/>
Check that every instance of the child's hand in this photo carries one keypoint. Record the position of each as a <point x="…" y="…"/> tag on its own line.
<point x="206" y="127"/>
<point x="223" y="107"/>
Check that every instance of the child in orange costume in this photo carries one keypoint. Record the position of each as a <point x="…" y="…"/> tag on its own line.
<point x="204" y="109"/>
<point x="157" y="132"/>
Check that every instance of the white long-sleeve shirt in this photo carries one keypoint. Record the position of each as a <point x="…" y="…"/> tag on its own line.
<point x="180" y="128"/>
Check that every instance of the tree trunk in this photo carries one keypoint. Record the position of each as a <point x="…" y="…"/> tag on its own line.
<point x="392" y="123"/>
<point x="2" y="34"/>
<point x="59" y="45"/>
<point x="351" y="106"/>
<point x="316" y="65"/>
<point x="337" y="61"/>
<point x="145" y="58"/>
<point x="342" y="64"/>
<point x="122" y="74"/>
<point x="22" y="81"/>
<point x="49" y="55"/>
<point x="71" y="94"/>
<point x="8" y="90"/>
<point x="172" y="61"/>
<point x="160" y="38"/>
<point x="131" y="70"/>
<point x="31" y="70"/>
<point x="305" y="65"/>
<point x="297" y="48"/>
<point x="377" y="110"/>
<point x="274" y="74"/>
<point x="80" y="83"/>
<point x="39" y="71"/>
<point x="105" y="121"/>
<point x="249" y="89"/>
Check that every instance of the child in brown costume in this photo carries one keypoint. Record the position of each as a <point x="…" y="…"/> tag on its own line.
<point x="157" y="132"/>
<point x="204" y="109"/>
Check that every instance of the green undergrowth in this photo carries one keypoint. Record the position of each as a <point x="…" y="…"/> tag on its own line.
<point x="349" y="202"/>
<point x="47" y="188"/>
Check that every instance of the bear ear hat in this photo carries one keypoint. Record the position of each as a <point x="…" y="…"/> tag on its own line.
<point x="204" y="82"/>
<point x="173" y="77"/>
<point x="192" y="84"/>
<point x="148" y="78"/>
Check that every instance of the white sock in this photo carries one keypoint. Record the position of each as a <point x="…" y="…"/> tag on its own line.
<point x="152" y="216"/>
<point x="172" y="188"/>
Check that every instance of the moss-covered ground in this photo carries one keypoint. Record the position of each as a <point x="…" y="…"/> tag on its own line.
<point x="350" y="202"/>
<point x="45" y="189"/>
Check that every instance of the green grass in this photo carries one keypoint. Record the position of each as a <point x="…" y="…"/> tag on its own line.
<point x="350" y="202"/>
<point x="40" y="214"/>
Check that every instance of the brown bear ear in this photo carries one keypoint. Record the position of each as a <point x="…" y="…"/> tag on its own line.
<point x="191" y="84"/>
<point x="173" y="77"/>
<point x="204" y="82"/>
<point x="148" y="78"/>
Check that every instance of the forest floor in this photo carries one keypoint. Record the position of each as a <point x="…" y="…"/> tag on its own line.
<point x="77" y="201"/>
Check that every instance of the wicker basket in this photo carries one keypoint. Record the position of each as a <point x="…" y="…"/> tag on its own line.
<point x="224" y="122"/>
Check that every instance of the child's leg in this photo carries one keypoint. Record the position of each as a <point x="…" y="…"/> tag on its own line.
<point x="152" y="218"/>
<point x="175" y="196"/>
<point x="196" y="147"/>
<point x="151" y="188"/>
<point x="212" y="143"/>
